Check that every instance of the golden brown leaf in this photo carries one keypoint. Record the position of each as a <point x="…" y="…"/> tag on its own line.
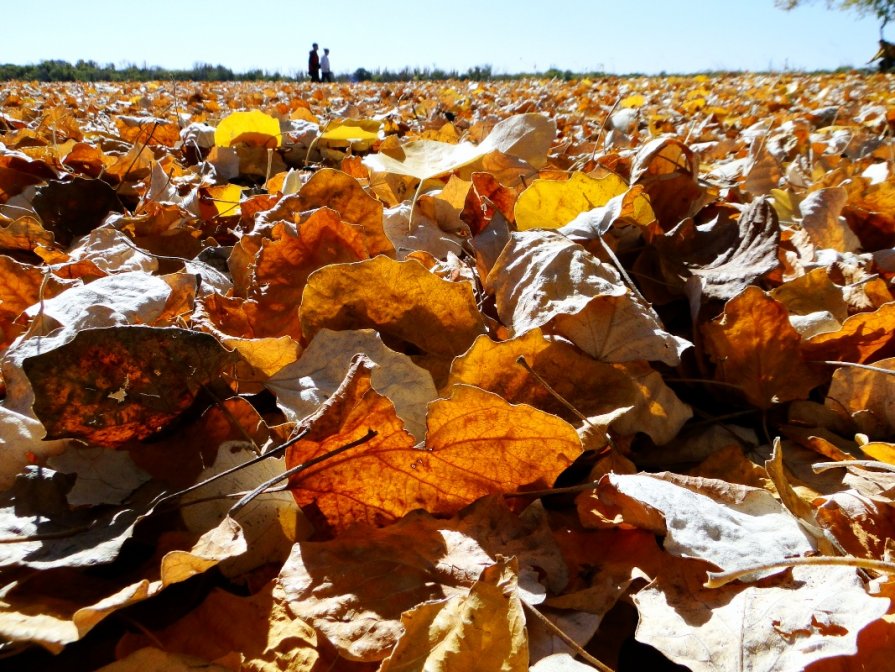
<point x="334" y="189"/>
<point x="259" y="628"/>
<point x="400" y="299"/>
<point x="484" y="630"/>
<point x="865" y="337"/>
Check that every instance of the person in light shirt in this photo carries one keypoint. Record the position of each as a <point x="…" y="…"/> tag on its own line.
<point x="325" y="67"/>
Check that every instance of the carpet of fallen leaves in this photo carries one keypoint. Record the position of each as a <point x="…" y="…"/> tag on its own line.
<point x="459" y="376"/>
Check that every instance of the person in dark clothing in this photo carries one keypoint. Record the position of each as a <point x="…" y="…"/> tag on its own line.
<point x="314" y="64"/>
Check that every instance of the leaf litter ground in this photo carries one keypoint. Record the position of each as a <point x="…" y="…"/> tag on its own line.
<point x="496" y="376"/>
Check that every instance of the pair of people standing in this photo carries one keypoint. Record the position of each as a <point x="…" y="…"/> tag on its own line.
<point x="318" y="66"/>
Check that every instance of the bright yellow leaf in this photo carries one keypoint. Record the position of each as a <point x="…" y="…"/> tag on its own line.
<point x="550" y="204"/>
<point x="251" y="128"/>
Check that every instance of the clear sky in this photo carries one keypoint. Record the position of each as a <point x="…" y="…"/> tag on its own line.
<point x="616" y="36"/>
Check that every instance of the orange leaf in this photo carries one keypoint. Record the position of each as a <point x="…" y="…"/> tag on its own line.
<point x="110" y="385"/>
<point x="756" y="348"/>
<point x="477" y="444"/>
<point x="864" y="337"/>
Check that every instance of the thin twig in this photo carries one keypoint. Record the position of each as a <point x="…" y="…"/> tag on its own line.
<point x="855" y="365"/>
<point x="718" y="579"/>
<point x="298" y="468"/>
<point x="571" y="643"/>
<point x="255" y="460"/>
<point x="861" y="464"/>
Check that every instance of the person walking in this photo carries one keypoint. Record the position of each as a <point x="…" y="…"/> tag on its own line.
<point x="314" y="63"/>
<point x="325" y="67"/>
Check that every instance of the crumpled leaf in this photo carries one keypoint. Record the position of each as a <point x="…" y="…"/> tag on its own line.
<point x="476" y="444"/>
<point x="821" y="218"/>
<point x="725" y="256"/>
<point x="667" y="169"/>
<point x="354" y="588"/>
<point x="781" y="626"/>
<point x="542" y="279"/>
<point x="108" y="386"/>
<point x="737" y="526"/>
<point x="755" y="348"/>
<point x="483" y="630"/>
<point x="400" y="299"/>
<point x="303" y="386"/>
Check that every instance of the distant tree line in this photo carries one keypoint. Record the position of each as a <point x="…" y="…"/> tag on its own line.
<point x="91" y="71"/>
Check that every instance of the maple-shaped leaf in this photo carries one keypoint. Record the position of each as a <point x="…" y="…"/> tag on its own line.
<point x="756" y="348"/>
<point x="400" y="299"/>
<point x="111" y="385"/>
<point x="476" y="444"/>
<point x="483" y="630"/>
<point x="779" y="626"/>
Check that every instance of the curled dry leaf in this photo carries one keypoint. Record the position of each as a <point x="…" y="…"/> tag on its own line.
<point x="301" y="387"/>
<point x="738" y="526"/>
<point x="542" y="279"/>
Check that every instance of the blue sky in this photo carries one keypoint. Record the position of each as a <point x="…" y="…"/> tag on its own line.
<point x="620" y="36"/>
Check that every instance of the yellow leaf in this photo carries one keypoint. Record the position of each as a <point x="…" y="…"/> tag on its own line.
<point x="635" y="100"/>
<point x="251" y="128"/>
<point x="226" y="199"/>
<point x="550" y="204"/>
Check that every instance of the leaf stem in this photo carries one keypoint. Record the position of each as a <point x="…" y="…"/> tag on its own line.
<point x="718" y="579"/>
<point x="571" y="643"/>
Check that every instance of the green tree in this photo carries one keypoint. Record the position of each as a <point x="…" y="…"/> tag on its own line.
<point x="884" y="10"/>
